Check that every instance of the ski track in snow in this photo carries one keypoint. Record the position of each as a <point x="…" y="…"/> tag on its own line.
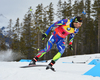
<point x="64" y="71"/>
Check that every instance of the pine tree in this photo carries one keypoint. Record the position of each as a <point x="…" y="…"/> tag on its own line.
<point x="69" y="10"/>
<point x="98" y="25"/>
<point x="45" y="19"/>
<point x="9" y="32"/>
<point x="15" y="36"/>
<point x="26" y="36"/>
<point x="50" y="13"/>
<point x="96" y="13"/>
<point x="2" y="41"/>
<point x="81" y="33"/>
<point x="88" y="27"/>
<point x="64" y="10"/>
<point x="75" y="8"/>
<point x="59" y="10"/>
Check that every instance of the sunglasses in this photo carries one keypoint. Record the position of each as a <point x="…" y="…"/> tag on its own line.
<point x="80" y="23"/>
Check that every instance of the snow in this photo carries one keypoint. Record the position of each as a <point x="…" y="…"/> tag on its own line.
<point x="64" y="71"/>
<point x="9" y="55"/>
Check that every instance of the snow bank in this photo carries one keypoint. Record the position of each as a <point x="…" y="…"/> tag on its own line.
<point x="64" y="71"/>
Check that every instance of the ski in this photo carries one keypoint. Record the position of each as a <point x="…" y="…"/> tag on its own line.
<point x="53" y="69"/>
<point x="49" y="67"/>
<point x="28" y="66"/>
<point x="79" y="62"/>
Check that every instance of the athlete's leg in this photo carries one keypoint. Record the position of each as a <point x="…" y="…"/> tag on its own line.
<point x="61" y="48"/>
<point x="50" y="42"/>
<point x="45" y="50"/>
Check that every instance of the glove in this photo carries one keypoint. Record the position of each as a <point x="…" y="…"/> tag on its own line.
<point x="71" y="47"/>
<point x="44" y="35"/>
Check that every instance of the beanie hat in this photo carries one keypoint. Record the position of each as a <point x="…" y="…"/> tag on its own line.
<point x="77" y="19"/>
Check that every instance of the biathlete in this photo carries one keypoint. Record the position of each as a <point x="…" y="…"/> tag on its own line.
<point x="63" y="28"/>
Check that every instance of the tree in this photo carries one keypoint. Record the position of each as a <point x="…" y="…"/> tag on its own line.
<point x="98" y="25"/>
<point x="69" y="10"/>
<point x="59" y="9"/>
<point x="2" y="42"/>
<point x="89" y="27"/>
<point x="50" y="13"/>
<point x="64" y="10"/>
<point x="16" y="37"/>
<point x="9" y="32"/>
<point x="26" y="36"/>
<point x="75" y="8"/>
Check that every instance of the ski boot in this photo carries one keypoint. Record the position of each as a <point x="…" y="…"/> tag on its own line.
<point x="34" y="60"/>
<point x="50" y="66"/>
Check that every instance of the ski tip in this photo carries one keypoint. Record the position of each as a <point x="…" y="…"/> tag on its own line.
<point x="51" y="69"/>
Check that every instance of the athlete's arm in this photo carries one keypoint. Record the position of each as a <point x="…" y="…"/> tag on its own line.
<point x="56" y="24"/>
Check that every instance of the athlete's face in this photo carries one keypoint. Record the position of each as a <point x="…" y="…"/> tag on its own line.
<point x="77" y="24"/>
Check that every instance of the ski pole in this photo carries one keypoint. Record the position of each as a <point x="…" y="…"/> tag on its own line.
<point x="36" y="48"/>
<point x="37" y="26"/>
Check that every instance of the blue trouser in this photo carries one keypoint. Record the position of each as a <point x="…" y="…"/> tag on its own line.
<point x="60" y="45"/>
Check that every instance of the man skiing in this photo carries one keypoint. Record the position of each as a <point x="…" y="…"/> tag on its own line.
<point x="63" y="28"/>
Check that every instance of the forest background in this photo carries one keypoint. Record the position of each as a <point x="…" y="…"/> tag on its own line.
<point x="27" y="37"/>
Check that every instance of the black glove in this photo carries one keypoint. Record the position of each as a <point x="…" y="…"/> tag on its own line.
<point x="44" y="35"/>
<point x="70" y="47"/>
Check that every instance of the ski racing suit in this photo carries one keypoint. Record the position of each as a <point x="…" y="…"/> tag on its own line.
<point x="63" y="28"/>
